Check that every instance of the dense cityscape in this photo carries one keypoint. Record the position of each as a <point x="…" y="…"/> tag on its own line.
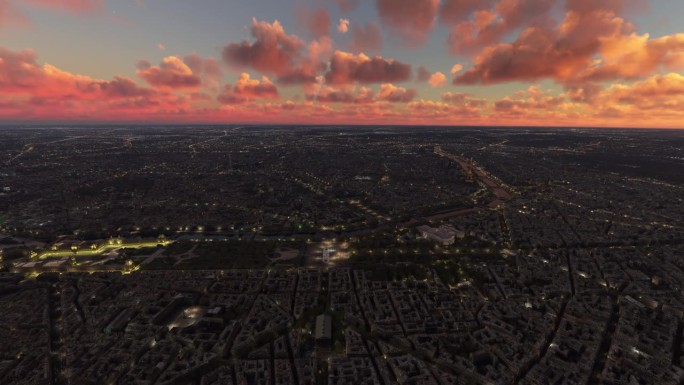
<point x="276" y="255"/>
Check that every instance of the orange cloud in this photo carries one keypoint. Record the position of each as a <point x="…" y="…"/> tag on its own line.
<point x="635" y="56"/>
<point x="393" y="94"/>
<point x="591" y="44"/>
<point x="254" y="88"/>
<point x="172" y="73"/>
<point x="653" y="97"/>
<point x="247" y="89"/>
<point x="437" y="79"/>
<point x="343" y="26"/>
<point x="179" y="88"/>
<point x="347" y="68"/>
<point x="543" y="52"/>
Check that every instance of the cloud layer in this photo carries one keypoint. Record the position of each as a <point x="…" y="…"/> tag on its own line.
<point x="347" y="68"/>
<point x="564" y="61"/>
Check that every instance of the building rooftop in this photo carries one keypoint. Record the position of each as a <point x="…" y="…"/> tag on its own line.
<point x="323" y="327"/>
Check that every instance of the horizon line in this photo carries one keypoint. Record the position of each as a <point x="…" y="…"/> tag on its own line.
<point x="80" y="123"/>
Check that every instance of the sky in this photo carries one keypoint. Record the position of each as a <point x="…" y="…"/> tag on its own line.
<point x="598" y="63"/>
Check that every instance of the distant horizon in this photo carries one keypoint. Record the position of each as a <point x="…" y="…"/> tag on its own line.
<point x="102" y="124"/>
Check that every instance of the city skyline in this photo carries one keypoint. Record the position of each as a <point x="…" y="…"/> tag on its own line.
<point x="616" y="63"/>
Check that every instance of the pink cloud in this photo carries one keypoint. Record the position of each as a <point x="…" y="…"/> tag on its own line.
<point x="413" y="19"/>
<point x="347" y="68"/>
<point x="545" y="52"/>
<point x="46" y="91"/>
<point x="307" y="68"/>
<point x="393" y="94"/>
<point x="272" y="51"/>
<point x="253" y="88"/>
<point x="247" y="89"/>
<point x="172" y="73"/>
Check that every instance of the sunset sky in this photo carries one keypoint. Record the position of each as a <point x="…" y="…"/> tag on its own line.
<point x="617" y="63"/>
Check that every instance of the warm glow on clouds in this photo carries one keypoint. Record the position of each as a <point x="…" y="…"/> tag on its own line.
<point x="343" y="26"/>
<point x="391" y="93"/>
<point x="253" y="88"/>
<point x="30" y="90"/>
<point x="659" y="94"/>
<point x="497" y="62"/>
<point x="171" y="73"/>
<point x="437" y="79"/>
<point x="273" y="51"/>
<point x="247" y="89"/>
<point x="347" y="68"/>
